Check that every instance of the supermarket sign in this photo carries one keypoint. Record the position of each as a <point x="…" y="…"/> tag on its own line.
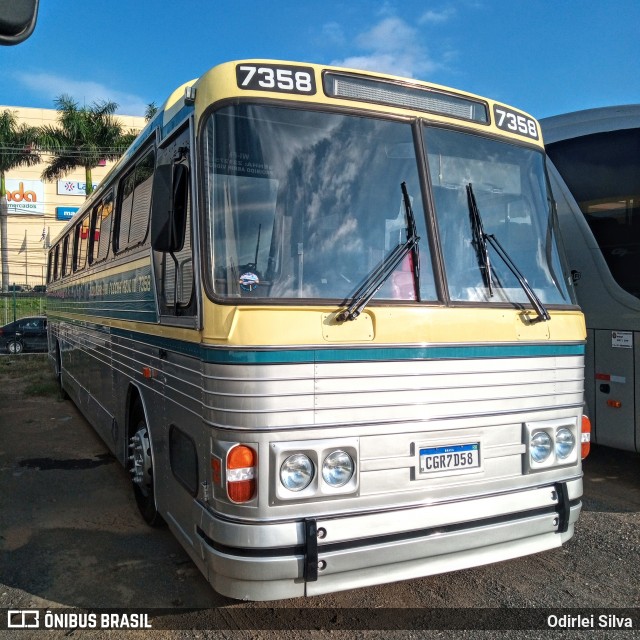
<point x="25" y="197"/>
<point x="73" y="188"/>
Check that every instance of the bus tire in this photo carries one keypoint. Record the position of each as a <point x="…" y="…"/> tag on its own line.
<point x="142" y="466"/>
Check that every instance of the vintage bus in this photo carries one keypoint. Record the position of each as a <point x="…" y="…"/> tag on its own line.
<point x="595" y="172"/>
<point x="322" y="317"/>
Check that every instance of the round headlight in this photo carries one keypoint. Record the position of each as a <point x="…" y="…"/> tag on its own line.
<point x="540" y="446"/>
<point x="565" y="442"/>
<point x="337" y="468"/>
<point x="296" y="472"/>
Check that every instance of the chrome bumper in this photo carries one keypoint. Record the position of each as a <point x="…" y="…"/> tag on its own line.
<point x="262" y="561"/>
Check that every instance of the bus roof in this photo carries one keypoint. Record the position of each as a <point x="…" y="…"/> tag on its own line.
<point x="589" y="121"/>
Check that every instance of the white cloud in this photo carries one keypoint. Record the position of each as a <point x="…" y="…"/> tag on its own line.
<point x="437" y="17"/>
<point x="391" y="34"/>
<point x="84" y="92"/>
<point x="392" y="46"/>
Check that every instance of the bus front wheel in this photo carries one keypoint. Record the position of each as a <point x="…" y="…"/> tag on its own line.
<point x="142" y="467"/>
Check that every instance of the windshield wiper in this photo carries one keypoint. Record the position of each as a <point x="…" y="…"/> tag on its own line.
<point x="412" y="232"/>
<point x="481" y="239"/>
<point x="381" y="273"/>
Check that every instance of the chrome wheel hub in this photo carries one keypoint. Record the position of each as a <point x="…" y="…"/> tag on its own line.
<point x="140" y="458"/>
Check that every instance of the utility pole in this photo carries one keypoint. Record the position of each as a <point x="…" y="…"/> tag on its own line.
<point x="4" y="241"/>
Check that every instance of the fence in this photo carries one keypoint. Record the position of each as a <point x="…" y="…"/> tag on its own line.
<point x="14" y="306"/>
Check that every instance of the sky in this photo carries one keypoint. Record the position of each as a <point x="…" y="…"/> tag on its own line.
<point x="542" y="56"/>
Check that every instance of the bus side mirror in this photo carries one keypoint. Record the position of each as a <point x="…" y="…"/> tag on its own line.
<point x="17" y="20"/>
<point x="169" y="208"/>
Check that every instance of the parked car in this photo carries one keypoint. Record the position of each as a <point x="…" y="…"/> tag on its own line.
<point x="25" y="334"/>
<point x="39" y="288"/>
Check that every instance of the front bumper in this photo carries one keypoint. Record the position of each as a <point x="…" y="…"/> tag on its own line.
<point x="269" y="561"/>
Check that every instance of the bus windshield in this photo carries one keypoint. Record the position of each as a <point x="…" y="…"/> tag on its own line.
<point x="305" y="204"/>
<point x="510" y="189"/>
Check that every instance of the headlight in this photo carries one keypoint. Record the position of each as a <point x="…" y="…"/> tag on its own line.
<point x="337" y="469"/>
<point x="296" y="472"/>
<point x="540" y="446"/>
<point x="565" y="442"/>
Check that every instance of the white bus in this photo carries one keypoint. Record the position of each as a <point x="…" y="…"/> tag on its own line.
<point x="595" y="173"/>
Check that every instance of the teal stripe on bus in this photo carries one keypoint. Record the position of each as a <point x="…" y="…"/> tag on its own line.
<point x="295" y="356"/>
<point x="244" y="356"/>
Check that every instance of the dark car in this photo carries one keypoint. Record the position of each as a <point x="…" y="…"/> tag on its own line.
<point x="39" y="288"/>
<point x="26" y="334"/>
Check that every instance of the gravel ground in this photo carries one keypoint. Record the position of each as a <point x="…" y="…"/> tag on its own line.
<point x="70" y="536"/>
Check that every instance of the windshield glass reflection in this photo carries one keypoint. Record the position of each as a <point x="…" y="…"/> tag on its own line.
<point x="306" y="204"/>
<point x="510" y="189"/>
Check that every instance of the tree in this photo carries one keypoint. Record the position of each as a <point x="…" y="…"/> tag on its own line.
<point x="85" y="137"/>
<point x="17" y="149"/>
<point x="150" y="111"/>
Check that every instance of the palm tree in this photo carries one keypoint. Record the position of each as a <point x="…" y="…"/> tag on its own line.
<point x="85" y="137"/>
<point x="150" y="111"/>
<point x="17" y="149"/>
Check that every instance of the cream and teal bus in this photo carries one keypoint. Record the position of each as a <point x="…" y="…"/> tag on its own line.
<point x="321" y="316"/>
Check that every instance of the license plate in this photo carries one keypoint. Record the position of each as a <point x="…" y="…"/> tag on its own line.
<point x="452" y="457"/>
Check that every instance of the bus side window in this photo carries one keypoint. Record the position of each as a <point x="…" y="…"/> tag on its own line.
<point x="177" y="276"/>
<point x="67" y="254"/>
<point x="56" y="263"/>
<point x="142" y="199"/>
<point x="174" y="270"/>
<point x="94" y="234"/>
<point x="82" y="238"/>
<point x="76" y="247"/>
<point x="121" y="236"/>
<point x="50" y="262"/>
<point x="102" y="218"/>
<point x="135" y="204"/>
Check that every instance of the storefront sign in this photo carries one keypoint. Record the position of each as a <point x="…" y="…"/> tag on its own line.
<point x="65" y="213"/>
<point x="73" y="188"/>
<point x="25" y="197"/>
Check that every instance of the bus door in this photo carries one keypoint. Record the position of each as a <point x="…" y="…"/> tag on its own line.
<point x="175" y="435"/>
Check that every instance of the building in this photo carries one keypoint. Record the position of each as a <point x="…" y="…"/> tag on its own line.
<point x="38" y="210"/>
